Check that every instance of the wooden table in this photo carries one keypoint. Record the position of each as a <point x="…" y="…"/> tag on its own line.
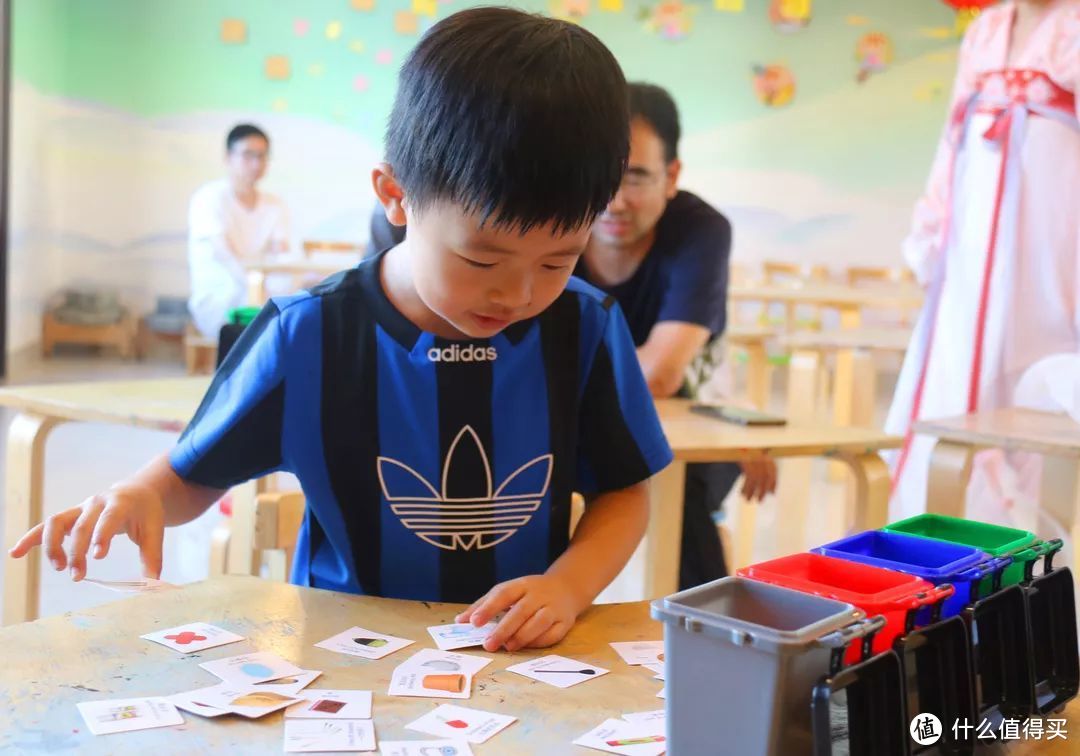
<point x="1056" y="436"/>
<point x="168" y="404"/>
<point x="97" y="654"/>
<point x="847" y="300"/>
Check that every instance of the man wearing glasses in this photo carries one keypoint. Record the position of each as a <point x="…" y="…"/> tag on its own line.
<point x="662" y="253"/>
<point x="229" y="222"/>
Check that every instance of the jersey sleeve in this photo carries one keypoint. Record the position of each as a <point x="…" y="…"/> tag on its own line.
<point x="620" y="439"/>
<point x="696" y="287"/>
<point x="236" y="433"/>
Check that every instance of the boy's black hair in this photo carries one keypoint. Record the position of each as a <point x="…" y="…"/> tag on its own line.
<point x="519" y="118"/>
<point x="243" y="131"/>
<point x="655" y="106"/>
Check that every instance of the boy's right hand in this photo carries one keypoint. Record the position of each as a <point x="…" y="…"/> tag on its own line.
<point x="126" y="508"/>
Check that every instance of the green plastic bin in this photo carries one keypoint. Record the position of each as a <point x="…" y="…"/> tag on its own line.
<point x="995" y="540"/>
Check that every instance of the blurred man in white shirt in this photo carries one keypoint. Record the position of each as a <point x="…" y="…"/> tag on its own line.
<point x="231" y="222"/>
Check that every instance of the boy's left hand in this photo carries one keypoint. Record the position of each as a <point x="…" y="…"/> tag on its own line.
<point x="542" y="609"/>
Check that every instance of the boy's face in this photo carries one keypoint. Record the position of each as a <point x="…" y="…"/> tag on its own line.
<point x="480" y="280"/>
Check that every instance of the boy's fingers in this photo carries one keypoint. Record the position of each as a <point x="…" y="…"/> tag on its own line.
<point x="533" y="628"/>
<point x="150" y="542"/>
<point x="499" y="598"/>
<point x="80" y="537"/>
<point x="108" y="525"/>
<point x="551" y="636"/>
<point x="28" y="541"/>
<point x="56" y="527"/>
<point x="465" y="615"/>
<point x="507" y="627"/>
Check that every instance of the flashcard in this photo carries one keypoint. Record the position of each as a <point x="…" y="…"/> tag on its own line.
<point x="460" y="635"/>
<point x="142" y="585"/>
<point x="424" y="748"/>
<point x="558" y="670"/>
<point x="657" y="669"/>
<point x="197" y="636"/>
<point x="662" y="693"/>
<point x="449" y="721"/>
<point x="249" y="669"/>
<point x="617" y="736"/>
<point x="332" y="704"/>
<point x="244" y="700"/>
<point x="290" y="685"/>
<point x="640" y="652"/>
<point x="127" y="714"/>
<point x="192" y="701"/>
<point x="641" y="717"/>
<point x="329" y="735"/>
<point x="357" y="641"/>
<point x="436" y="674"/>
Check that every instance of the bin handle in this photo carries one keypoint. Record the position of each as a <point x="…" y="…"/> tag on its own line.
<point x="1054" y="546"/>
<point x="838" y="640"/>
<point x="993" y="566"/>
<point x="934" y="598"/>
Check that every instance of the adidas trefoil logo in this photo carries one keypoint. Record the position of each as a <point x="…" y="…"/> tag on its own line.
<point x="454" y="522"/>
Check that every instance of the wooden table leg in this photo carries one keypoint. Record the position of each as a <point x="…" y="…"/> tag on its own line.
<point x="663" y="539"/>
<point x="947" y="481"/>
<point x="24" y="508"/>
<point x="793" y="486"/>
<point x="1059" y="497"/>
<point x="872" y="488"/>
<point x="757" y="374"/>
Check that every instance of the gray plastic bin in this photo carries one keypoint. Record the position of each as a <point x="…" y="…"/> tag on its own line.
<point x="742" y="659"/>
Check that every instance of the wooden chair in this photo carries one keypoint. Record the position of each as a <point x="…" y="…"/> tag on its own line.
<point x="868" y="276"/>
<point x="794" y="274"/>
<point x="200" y="353"/>
<point x="120" y="335"/>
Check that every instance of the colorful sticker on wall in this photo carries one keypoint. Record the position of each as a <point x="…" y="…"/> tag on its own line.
<point x="730" y="6"/>
<point x="363" y="5"/>
<point x="774" y="85"/>
<point x="611" y="6"/>
<point x="790" y="15"/>
<point x="384" y="57"/>
<point x="967" y="11"/>
<point x="569" y="10"/>
<point x="279" y="105"/>
<point x="277" y="67"/>
<point x="301" y="26"/>
<point x="360" y="83"/>
<point x="874" y="51"/>
<point x="316" y="69"/>
<point x="233" y="31"/>
<point x="356" y="46"/>
<point x="333" y="30"/>
<point x="930" y="92"/>
<point x="406" y="22"/>
<point x="671" y="19"/>
<point x="425" y="7"/>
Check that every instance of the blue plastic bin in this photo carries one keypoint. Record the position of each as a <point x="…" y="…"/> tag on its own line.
<point x="936" y="561"/>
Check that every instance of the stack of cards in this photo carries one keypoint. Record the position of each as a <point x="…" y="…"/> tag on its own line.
<point x="640" y="652"/>
<point x="460" y="635"/>
<point x="473" y="725"/>
<point x="558" y="671"/>
<point x="253" y="685"/>
<point x="197" y="636"/>
<point x="128" y="714"/>
<point x="424" y="748"/>
<point x="367" y="644"/>
<point x="142" y="585"/>
<point x="436" y="674"/>
<point x="644" y="736"/>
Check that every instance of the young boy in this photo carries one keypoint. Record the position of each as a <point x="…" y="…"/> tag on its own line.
<point x="440" y="402"/>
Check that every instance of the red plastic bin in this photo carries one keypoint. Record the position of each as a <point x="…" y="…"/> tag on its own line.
<point x="875" y="590"/>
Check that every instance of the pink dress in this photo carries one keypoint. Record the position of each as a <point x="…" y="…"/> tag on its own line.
<point x="996" y="237"/>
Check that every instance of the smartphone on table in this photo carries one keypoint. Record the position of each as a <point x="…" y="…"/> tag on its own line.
<point x="737" y="415"/>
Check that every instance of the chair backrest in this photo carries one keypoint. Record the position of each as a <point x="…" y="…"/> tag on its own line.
<point x="857" y="275"/>
<point x="784" y="272"/>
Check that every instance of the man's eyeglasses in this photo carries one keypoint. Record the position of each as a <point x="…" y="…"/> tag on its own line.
<point x="638" y="180"/>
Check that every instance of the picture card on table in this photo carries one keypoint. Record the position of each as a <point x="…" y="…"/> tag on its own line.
<point x="290" y="685"/>
<point x="304" y="735"/>
<point x="558" y="670"/>
<point x="128" y="714"/>
<point x="196" y="636"/>
<point x="640" y="652"/>
<point x="246" y="701"/>
<point x="436" y="674"/>
<point x="630" y="739"/>
<point x="473" y="725"/>
<point x="248" y="669"/>
<point x="191" y="701"/>
<point x="331" y="704"/>
<point x="460" y="635"/>
<point x="357" y="641"/>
